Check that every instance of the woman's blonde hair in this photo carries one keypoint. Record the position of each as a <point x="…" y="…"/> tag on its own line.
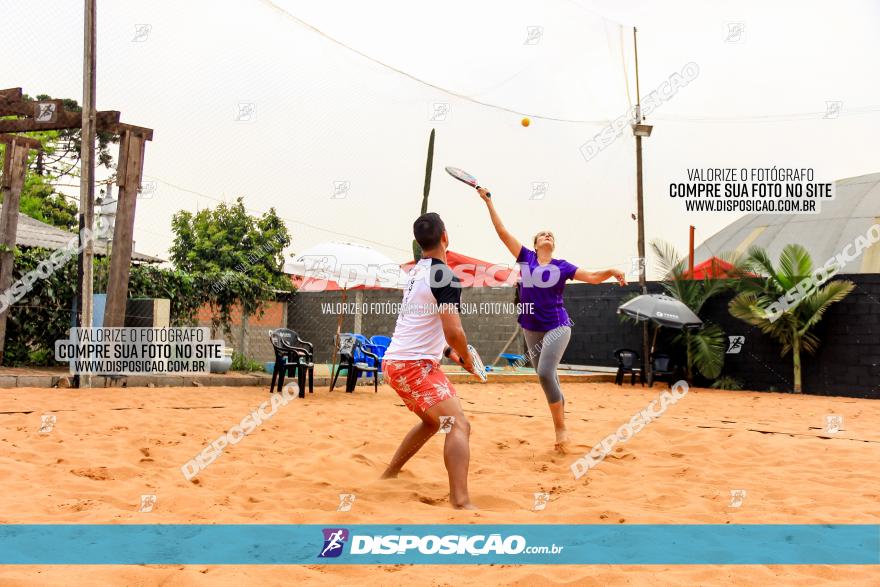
<point x="542" y="232"/>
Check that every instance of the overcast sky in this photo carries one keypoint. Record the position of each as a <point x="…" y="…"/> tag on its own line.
<point x="324" y="115"/>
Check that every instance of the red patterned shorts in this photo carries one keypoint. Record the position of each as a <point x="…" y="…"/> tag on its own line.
<point x="420" y="383"/>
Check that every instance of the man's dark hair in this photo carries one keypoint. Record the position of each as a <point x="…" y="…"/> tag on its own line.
<point x="427" y="229"/>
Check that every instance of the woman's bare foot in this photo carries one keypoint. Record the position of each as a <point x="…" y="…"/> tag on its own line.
<point x="465" y="506"/>
<point x="562" y="443"/>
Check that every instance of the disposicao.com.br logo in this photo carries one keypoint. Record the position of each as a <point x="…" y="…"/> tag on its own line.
<point x="429" y="544"/>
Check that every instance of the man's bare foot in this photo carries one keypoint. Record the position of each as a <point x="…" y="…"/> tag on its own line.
<point x="561" y="445"/>
<point x="389" y="475"/>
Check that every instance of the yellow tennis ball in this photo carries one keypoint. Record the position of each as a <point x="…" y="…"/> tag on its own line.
<point x="525" y="122"/>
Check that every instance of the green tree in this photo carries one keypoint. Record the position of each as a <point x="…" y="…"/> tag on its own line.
<point x="705" y="347"/>
<point x="40" y="200"/>
<point x="56" y="165"/>
<point x="237" y="256"/>
<point x="790" y="327"/>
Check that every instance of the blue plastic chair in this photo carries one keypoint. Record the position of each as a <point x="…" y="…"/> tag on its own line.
<point x="381" y="344"/>
<point x="360" y="357"/>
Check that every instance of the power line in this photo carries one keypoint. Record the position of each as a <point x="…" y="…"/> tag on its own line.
<point x="772" y="117"/>
<point x="670" y="118"/>
<point x="419" y="80"/>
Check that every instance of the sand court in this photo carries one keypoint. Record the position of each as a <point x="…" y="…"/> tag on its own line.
<point x="106" y="448"/>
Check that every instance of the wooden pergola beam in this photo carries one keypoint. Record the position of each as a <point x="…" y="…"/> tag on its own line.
<point x="11" y="94"/>
<point x="23" y="140"/>
<point x="64" y="120"/>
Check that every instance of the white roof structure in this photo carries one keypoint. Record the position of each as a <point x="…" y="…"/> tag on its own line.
<point x="855" y="207"/>
<point x="32" y="233"/>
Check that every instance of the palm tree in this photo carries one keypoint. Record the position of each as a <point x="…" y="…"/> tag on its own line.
<point x="792" y="326"/>
<point x="705" y="347"/>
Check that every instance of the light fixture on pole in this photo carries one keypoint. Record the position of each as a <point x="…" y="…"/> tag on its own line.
<point x="641" y="130"/>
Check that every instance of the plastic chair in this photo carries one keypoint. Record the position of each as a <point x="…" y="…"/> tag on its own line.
<point x="381" y="344"/>
<point x="513" y="359"/>
<point x="362" y="357"/>
<point x="349" y="353"/>
<point x="628" y="361"/>
<point x="293" y="356"/>
<point x="662" y="367"/>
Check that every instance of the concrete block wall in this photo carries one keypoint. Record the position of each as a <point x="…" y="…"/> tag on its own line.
<point x="846" y="364"/>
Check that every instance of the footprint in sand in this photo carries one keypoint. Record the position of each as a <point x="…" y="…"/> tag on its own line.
<point x="78" y="506"/>
<point x="98" y="474"/>
<point x="432" y="500"/>
<point x="362" y="459"/>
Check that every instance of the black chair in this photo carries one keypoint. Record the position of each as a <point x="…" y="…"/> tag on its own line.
<point x="293" y="356"/>
<point x="628" y="362"/>
<point x="662" y="368"/>
<point x="349" y="350"/>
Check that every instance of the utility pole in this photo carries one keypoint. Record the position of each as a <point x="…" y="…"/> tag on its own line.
<point x="87" y="178"/>
<point x="641" y="130"/>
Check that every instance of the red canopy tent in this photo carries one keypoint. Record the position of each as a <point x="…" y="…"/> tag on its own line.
<point x="713" y="267"/>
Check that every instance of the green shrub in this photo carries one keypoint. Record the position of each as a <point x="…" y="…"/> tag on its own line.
<point x="727" y="382"/>
<point x="242" y="363"/>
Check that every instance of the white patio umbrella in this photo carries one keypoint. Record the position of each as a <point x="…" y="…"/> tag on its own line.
<point x="349" y="265"/>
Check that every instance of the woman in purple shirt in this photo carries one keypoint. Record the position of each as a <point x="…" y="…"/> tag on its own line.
<point x="547" y="328"/>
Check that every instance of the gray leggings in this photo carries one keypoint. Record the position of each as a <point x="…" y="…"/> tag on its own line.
<point x="545" y="350"/>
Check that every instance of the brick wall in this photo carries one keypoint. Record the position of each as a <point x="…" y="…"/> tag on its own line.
<point x="255" y="342"/>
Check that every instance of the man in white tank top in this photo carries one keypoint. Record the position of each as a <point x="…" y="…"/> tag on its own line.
<point x="427" y="324"/>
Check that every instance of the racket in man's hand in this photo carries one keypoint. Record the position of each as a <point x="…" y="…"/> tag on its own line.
<point x="479" y="367"/>
<point x="465" y="177"/>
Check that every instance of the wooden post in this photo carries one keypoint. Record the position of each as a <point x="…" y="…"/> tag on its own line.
<point x="129" y="169"/>
<point x="85" y="264"/>
<point x="691" y="254"/>
<point x="14" y="168"/>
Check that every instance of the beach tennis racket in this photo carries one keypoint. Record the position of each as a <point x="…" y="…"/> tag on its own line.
<point x="479" y="367"/>
<point x="465" y="177"/>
